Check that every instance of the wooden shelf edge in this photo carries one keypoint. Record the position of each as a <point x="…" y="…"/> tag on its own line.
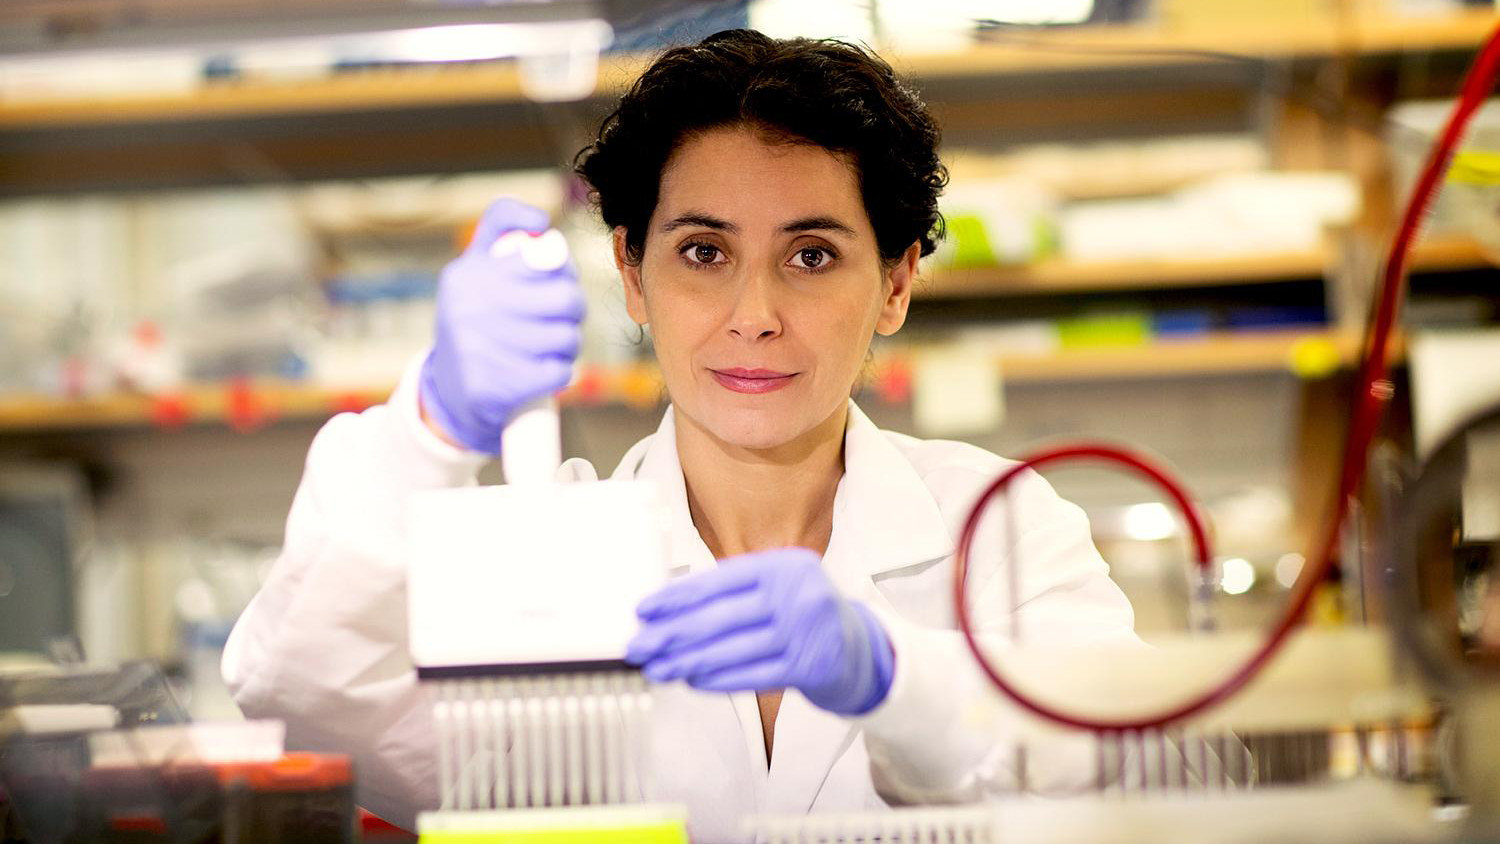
<point x="1061" y="276"/>
<point x="397" y="88"/>
<point x="1307" y="353"/>
<point x="1310" y="353"/>
<point x="246" y="408"/>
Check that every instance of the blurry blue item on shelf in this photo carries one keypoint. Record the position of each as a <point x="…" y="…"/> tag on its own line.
<point x="377" y="321"/>
<point x="1183" y="323"/>
<point x="398" y="285"/>
<point x="1289" y="316"/>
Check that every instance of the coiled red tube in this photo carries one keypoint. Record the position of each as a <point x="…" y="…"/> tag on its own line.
<point x="1373" y="391"/>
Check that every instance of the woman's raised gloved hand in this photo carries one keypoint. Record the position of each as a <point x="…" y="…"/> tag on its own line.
<point x="761" y="621"/>
<point x="506" y="333"/>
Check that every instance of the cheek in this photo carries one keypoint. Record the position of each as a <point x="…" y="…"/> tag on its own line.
<point x="680" y="315"/>
<point x="846" y="319"/>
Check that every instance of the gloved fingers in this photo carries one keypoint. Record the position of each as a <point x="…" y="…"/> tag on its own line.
<point x="544" y="376"/>
<point x="507" y="286"/>
<point x="526" y="378"/>
<point x="505" y="215"/>
<point x="687" y="592"/>
<point x="751" y="644"/>
<point x="699" y="625"/>
<point x="554" y="296"/>
<point x="762" y="676"/>
<point x="537" y="337"/>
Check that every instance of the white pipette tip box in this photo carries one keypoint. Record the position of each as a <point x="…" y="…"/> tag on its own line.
<point x="521" y="602"/>
<point x="525" y="579"/>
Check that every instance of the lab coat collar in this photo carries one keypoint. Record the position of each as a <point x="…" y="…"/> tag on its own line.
<point x="890" y="514"/>
<point x="885" y="512"/>
<point x="686" y="550"/>
<point x="885" y="518"/>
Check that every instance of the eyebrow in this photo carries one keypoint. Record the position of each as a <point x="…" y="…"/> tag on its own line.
<point x="814" y="224"/>
<point x="707" y="221"/>
<point x="802" y="224"/>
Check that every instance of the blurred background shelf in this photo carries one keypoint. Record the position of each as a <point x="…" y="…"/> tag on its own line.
<point x="1307" y="352"/>
<point x="251" y="406"/>
<point x="1062" y="276"/>
<point x="1010" y="52"/>
<point x="245" y="407"/>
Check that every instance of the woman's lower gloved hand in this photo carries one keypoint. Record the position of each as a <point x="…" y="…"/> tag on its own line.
<point x="506" y="333"/>
<point x="762" y="621"/>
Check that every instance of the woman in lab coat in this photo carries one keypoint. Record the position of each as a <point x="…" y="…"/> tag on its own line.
<point x="770" y="201"/>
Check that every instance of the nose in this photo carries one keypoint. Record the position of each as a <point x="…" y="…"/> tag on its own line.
<point x="754" y="313"/>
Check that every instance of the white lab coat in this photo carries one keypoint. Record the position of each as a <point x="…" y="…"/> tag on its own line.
<point x="323" y="645"/>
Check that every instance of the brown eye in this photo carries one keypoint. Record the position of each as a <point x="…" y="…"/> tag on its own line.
<point x="811" y="258"/>
<point x="702" y="254"/>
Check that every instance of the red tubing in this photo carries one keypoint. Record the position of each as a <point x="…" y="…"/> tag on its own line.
<point x="1372" y="394"/>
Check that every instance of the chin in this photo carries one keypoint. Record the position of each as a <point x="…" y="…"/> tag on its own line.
<point x="747" y="427"/>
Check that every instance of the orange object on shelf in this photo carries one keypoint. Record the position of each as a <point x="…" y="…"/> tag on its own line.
<point x="169" y="410"/>
<point x="243" y="408"/>
<point x="292" y="772"/>
<point x="349" y="402"/>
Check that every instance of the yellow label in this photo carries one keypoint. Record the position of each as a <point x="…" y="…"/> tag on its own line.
<point x="663" y="833"/>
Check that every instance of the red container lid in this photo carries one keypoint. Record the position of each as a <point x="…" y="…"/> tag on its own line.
<point x="292" y="772"/>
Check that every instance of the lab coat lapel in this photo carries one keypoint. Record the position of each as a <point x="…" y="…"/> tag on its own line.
<point x="808" y="743"/>
<point x="686" y="552"/>
<point x="885" y="517"/>
<point x="659" y="463"/>
<point x="810" y="740"/>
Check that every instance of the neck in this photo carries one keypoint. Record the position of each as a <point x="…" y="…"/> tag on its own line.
<point x="745" y="500"/>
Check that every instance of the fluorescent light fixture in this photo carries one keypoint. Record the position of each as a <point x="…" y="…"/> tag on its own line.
<point x="559" y="59"/>
<point x="1236" y="576"/>
<point x="1150" y="521"/>
<point x="475" y="42"/>
<point x="1039" y="12"/>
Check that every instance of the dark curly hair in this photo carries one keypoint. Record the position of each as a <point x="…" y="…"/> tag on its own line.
<point x="838" y="96"/>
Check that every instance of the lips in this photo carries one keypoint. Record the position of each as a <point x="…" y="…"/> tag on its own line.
<point x="752" y="381"/>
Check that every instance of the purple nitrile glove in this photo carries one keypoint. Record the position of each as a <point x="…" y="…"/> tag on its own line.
<point x="506" y="333"/>
<point x="761" y="621"/>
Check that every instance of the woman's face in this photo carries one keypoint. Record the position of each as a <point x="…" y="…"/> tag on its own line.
<point x="762" y="285"/>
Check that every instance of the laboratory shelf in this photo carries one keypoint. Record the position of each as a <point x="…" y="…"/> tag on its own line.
<point x="247" y="407"/>
<point x="241" y="406"/>
<point x="1101" y="48"/>
<point x="1314" y="353"/>
<point x="1057" y="276"/>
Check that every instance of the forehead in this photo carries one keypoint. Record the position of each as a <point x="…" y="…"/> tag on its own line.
<point x="745" y="177"/>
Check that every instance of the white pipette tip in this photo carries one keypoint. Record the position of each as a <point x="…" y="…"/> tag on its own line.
<point x="541" y="252"/>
